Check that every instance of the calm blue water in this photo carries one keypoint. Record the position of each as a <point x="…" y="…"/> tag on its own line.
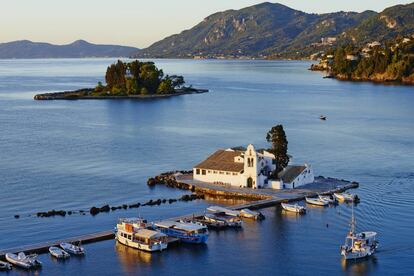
<point x="76" y="154"/>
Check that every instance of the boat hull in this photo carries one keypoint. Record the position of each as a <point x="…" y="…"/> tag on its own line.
<point x="293" y="208"/>
<point x="141" y="246"/>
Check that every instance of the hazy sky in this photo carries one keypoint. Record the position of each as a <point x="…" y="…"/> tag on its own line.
<point x="133" y="22"/>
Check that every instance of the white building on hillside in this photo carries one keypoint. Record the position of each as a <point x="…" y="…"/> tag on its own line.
<point x="249" y="168"/>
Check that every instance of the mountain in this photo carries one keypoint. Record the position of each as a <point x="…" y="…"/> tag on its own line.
<point x="77" y="49"/>
<point x="271" y="29"/>
<point x="393" y="21"/>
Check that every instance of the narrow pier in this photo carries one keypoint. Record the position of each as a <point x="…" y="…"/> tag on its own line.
<point x="263" y="198"/>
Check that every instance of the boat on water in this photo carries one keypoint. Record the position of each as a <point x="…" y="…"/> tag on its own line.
<point x="293" y="208"/>
<point x="230" y="221"/>
<point x="58" y="252"/>
<point x="5" y="265"/>
<point x="24" y="261"/>
<point x="72" y="249"/>
<point x="247" y="213"/>
<point x="327" y="198"/>
<point x="186" y="232"/>
<point x="219" y="209"/>
<point x="316" y="201"/>
<point x="212" y="221"/>
<point x="134" y="232"/>
<point x="323" y="117"/>
<point x="346" y="197"/>
<point x="358" y="245"/>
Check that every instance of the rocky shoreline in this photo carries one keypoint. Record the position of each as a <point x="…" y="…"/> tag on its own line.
<point x="86" y="94"/>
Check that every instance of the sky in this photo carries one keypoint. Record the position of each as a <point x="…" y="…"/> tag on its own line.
<point x="137" y="23"/>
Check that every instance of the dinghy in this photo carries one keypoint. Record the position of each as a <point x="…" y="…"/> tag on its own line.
<point x="5" y="266"/>
<point x="58" y="252"/>
<point x="72" y="249"/>
<point x="327" y="198"/>
<point x="316" y="201"/>
<point x="293" y="208"/>
<point x="23" y="261"/>
<point x="247" y="213"/>
<point x="346" y="197"/>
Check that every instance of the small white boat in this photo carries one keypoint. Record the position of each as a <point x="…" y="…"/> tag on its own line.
<point x="293" y="208"/>
<point x="58" y="252"/>
<point x="5" y="266"/>
<point x="327" y="198"/>
<point x="72" y="249"/>
<point x="218" y="209"/>
<point x="316" y="201"/>
<point x="24" y="261"/>
<point x="247" y="213"/>
<point x="346" y="197"/>
<point x="360" y="245"/>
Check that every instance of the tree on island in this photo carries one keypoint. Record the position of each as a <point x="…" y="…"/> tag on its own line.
<point x="277" y="137"/>
<point x="133" y="78"/>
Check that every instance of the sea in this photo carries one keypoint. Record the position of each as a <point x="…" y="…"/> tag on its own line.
<point x="76" y="154"/>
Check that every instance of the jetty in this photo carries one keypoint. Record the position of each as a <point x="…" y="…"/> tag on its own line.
<point x="258" y="198"/>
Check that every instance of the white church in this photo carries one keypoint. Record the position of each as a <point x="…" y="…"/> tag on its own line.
<point x="248" y="168"/>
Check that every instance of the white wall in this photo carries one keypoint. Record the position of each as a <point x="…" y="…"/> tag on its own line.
<point x="223" y="177"/>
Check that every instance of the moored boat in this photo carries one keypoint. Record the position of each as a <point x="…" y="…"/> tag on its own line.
<point x="72" y="249"/>
<point x="24" y="261"/>
<point x="186" y="232"/>
<point x="134" y="232"/>
<point x="247" y="213"/>
<point x="346" y="197"/>
<point x="327" y="198"/>
<point x="293" y="208"/>
<point x="219" y="209"/>
<point x="58" y="252"/>
<point x="316" y="201"/>
<point x="5" y="266"/>
<point x="358" y="245"/>
<point x="230" y="221"/>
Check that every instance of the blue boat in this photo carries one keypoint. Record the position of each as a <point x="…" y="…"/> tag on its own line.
<point x="186" y="232"/>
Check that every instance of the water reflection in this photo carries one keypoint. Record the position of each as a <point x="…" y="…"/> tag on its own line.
<point x="359" y="267"/>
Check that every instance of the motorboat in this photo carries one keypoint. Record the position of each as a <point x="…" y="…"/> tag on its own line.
<point x="230" y="221"/>
<point x="293" y="208"/>
<point x="214" y="221"/>
<point x="219" y="209"/>
<point x="186" y="232"/>
<point x="327" y="198"/>
<point x="72" y="249"/>
<point x="316" y="201"/>
<point x="134" y="232"/>
<point x="58" y="252"/>
<point x="24" y="261"/>
<point x="5" y="265"/>
<point x="358" y="245"/>
<point x="346" y="197"/>
<point x="247" y="213"/>
<point x="323" y="117"/>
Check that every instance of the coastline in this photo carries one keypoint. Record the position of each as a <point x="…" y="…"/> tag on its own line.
<point x="84" y="94"/>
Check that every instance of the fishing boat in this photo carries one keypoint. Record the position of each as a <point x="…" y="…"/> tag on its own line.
<point x="72" y="249"/>
<point x="58" y="252"/>
<point x="316" y="201"/>
<point x="293" y="208"/>
<point x="213" y="221"/>
<point x="5" y="266"/>
<point x="24" y="261"/>
<point x="134" y="232"/>
<point x="218" y="209"/>
<point x="186" y="232"/>
<point x="327" y="198"/>
<point x="230" y="221"/>
<point x="346" y="197"/>
<point x="358" y="245"/>
<point x="247" y="213"/>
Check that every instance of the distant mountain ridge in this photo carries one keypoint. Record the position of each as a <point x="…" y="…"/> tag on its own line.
<point x="78" y="49"/>
<point x="270" y="29"/>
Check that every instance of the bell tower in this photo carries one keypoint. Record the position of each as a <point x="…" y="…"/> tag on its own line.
<point x="250" y="167"/>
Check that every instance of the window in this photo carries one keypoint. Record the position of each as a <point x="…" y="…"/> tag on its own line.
<point x="215" y="172"/>
<point x="208" y="171"/>
<point x="234" y="173"/>
<point x="221" y="172"/>
<point x="203" y="172"/>
<point x="197" y="171"/>
<point x="227" y="173"/>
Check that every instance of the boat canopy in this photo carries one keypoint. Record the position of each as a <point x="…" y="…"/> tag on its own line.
<point x="179" y="225"/>
<point x="131" y="220"/>
<point x="149" y="234"/>
<point x="219" y="209"/>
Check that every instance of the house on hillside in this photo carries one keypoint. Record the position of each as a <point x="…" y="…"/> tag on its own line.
<point x="249" y="168"/>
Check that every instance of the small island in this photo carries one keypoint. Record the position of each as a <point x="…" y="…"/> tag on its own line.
<point x="125" y="80"/>
<point x="388" y="62"/>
